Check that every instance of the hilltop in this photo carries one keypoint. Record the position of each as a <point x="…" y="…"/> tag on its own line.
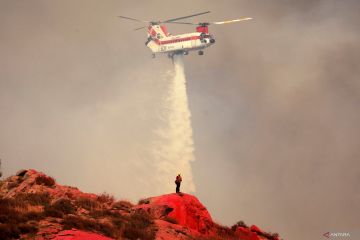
<point x="34" y="206"/>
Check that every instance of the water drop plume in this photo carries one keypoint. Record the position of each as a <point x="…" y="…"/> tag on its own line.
<point x="174" y="150"/>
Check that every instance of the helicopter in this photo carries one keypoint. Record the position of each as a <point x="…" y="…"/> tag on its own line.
<point x="159" y="40"/>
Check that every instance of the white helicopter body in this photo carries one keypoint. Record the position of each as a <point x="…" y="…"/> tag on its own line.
<point x="160" y="41"/>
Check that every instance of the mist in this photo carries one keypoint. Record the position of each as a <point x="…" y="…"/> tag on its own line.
<point x="274" y="106"/>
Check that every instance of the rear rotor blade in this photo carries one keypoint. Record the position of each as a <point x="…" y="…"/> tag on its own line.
<point x="174" y="19"/>
<point x="134" y="19"/>
<point x="232" y="21"/>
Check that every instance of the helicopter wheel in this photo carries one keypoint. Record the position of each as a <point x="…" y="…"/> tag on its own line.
<point x="201" y="53"/>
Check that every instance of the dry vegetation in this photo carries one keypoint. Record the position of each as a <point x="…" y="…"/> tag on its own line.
<point x="103" y="215"/>
<point x="45" y="180"/>
<point x="14" y="220"/>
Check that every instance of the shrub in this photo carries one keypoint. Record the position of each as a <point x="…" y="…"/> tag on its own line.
<point x="122" y="205"/>
<point x="133" y="232"/>
<point x="101" y="213"/>
<point x="144" y="201"/>
<point x="8" y="213"/>
<point x="271" y="236"/>
<point x="12" y="185"/>
<point x="86" y="203"/>
<point x="88" y="225"/>
<point x="113" y="215"/>
<point x="32" y="215"/>
<point x="64" y="205"/>
<point x="139" y="226"/>
<point x="9" y="231"/>
<point x="118" y="222"/>
<point x="7" y="203"/>
<point x="13" y="222"/>
<point x="51" y="212"/>
<point x="59" y="208"/>
<point x="41" y="198"/>
<point x="26" y="228"/>
<point x="45" y="180"/>
<point x="77" y="222"/>
<point x="141" y="218"/>
<point x="224" y="232"/>
<point x="105" y="198"/>
<point x="239" y="224"/>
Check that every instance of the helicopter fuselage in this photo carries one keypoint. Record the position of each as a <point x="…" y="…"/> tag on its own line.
<point x="160" y="41"/>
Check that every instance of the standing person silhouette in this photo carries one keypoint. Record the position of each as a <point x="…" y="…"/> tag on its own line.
<point x="178" y="182"/>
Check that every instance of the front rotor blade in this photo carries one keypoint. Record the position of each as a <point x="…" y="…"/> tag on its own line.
<point x="232" y="21"/>
<point x="134" y="19"/>
<point x="174" y="19"/>
<point x="139" y="28"/>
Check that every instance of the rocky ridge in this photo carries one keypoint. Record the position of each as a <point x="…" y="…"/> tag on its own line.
<point x="34" y="206"/>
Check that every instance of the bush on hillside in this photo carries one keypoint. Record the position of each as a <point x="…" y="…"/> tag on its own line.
<point x="270" y="236"/>
<point x="122" y="205"/>
<point x="9" y="231"/>
<point x="64" y="205"/>
<point x="86" y="203"/>
<point x="105" y="198"/>
<point x="14" y="219"/>
<point x="45" y="180"/>
<point x="91" y="225"/>
<point x="50" y="211"/>
<point x="41" y="198"/>
<point x="59" y="208"/>
<point x="139" y="226"/>
<point x="26" y="228"/>
<point x="239" y="224"/>
<point x="12" y="185"/>
<point x="143" y="201"/>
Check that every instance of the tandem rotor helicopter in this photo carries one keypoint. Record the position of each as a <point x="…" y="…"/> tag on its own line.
<point x="161" y="41"/>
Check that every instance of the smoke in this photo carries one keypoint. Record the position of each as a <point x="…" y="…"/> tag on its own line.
<point x="174" y="149"/>
<point x="275" y="106"/>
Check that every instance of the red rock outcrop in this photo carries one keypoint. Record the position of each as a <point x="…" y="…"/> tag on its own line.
<point x="184" y="209"/>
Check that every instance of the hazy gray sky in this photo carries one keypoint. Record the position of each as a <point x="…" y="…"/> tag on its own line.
<point x="274" y="103"/>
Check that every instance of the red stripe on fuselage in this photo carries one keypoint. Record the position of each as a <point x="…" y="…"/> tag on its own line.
<point x="163" y="28"/>
<point x="157" y="41"/>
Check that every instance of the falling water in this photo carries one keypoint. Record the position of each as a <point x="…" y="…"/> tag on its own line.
<point x="175" y="149"/>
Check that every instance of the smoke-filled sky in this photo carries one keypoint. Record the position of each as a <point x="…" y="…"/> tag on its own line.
<point x="274" y="103"/>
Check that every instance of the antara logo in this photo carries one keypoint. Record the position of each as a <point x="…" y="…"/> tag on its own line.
<point x="336" y="234"/>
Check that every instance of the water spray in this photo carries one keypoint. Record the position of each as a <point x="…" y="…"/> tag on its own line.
<point x="175" y="149"/>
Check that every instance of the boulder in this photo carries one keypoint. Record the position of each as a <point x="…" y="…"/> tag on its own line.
<point x="184" y="209"/>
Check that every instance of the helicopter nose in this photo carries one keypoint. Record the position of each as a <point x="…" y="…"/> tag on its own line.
<point x="212" y="40"/>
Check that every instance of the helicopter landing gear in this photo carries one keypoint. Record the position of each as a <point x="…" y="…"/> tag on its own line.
<point x="201" y="53"/>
